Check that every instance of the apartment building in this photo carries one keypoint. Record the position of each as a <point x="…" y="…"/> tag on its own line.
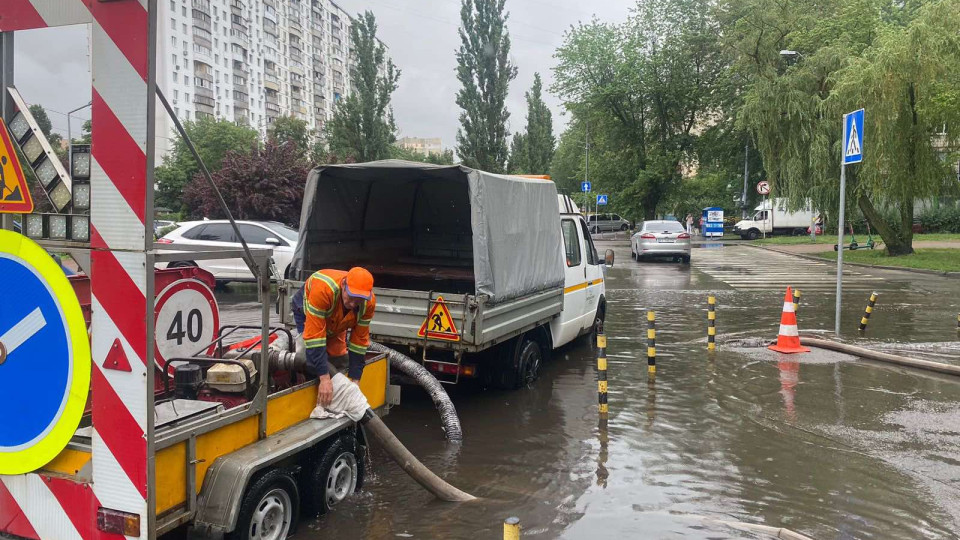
<point x="251" y="61"/>
<point x="422" y="145"/>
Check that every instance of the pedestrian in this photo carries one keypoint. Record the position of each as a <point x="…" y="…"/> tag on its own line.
<point x="700" y="232"/>
<point x="330" y="303"/>
<point x="689" y="224"/>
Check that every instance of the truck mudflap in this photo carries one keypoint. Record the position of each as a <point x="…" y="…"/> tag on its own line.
<point x="222" y="494"/>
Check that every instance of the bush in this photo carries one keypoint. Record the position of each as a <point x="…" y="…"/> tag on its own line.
<point x="945" y="219"/>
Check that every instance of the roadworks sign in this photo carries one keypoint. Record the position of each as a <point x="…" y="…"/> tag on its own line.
<point x="439" y="324"/>
<point x="14" y="193"/>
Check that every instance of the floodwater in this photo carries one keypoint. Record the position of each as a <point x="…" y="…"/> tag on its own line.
<point x="821" y="443"/>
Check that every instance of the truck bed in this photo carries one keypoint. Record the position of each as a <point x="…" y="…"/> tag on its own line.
<point x="401" y="313"/>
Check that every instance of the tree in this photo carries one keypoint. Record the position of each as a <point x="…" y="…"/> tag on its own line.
<point x="484" y="71"/>
<point x="443" y="158"/>
<point x="288" y="129"/>
<point x="644" y="85"/>
<point x="539" y="140"/>
<point x="362" y="127"/>
<point x="265" y="183"/>
<point x="897" y="61"/>
<point x="213" y="139"/>
<point x="519" y="160"/>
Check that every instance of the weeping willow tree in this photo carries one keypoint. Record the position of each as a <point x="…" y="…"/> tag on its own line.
<point x="899" y="62"/>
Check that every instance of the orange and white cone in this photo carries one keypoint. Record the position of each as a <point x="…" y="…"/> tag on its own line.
<point x="788" y="341"/>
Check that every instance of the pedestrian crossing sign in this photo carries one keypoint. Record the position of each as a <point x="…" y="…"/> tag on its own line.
<point x="439" y="324"/>
<point x="853" y="137"/>
<point x="14" y="194"/>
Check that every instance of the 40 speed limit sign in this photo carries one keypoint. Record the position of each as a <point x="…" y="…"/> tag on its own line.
<point x="186" y="320"/>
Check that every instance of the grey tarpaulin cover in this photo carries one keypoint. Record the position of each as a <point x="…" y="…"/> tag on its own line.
<point x="391" y="211"/>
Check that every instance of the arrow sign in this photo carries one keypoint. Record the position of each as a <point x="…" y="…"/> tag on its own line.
<point x="763" y="187"/>
<point x="585" y="187"/>
<point x="853" y="137"/>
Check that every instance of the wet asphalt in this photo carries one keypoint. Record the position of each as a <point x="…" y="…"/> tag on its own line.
<point x="821" y="443"/>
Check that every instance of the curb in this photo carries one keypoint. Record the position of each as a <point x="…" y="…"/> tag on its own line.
<point x="862" y="265"/>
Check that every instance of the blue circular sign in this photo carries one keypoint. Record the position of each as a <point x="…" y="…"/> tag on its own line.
<point x="44" y="356"/>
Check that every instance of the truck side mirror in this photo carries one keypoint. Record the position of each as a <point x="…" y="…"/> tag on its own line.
<point x="608" y="258"/>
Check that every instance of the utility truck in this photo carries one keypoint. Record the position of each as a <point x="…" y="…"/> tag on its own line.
<point x="772" y="217"/>
<point x="477" y="275"/>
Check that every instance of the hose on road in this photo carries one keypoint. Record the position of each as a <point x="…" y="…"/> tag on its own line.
<point x="448" y="413"/>
<point x="376" y="429"/>
<point x="881" y="356"/>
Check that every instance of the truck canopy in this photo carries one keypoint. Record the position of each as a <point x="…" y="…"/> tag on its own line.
<point x="429" y="227"/>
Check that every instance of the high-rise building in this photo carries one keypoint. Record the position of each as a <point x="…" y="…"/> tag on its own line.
<point x="251" y="61"/>
<point x="422" y="145"/>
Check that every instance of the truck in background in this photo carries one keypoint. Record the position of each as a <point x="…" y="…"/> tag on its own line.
<point x="477" y="275"/>
<point x="771" y="218"/>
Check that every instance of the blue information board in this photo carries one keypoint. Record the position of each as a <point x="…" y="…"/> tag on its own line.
<point x="712" y="222"/>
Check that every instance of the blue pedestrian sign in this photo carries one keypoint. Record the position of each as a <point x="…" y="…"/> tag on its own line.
<point x="585" y="187"/>
<point x="44" y="357"/>
<point x="853" y="137"/>
<point x="601" y="200"/>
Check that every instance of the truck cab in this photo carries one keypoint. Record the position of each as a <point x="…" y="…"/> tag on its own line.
<point x="584" y="301"/>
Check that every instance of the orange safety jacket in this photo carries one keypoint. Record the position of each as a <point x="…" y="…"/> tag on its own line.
<point x="327" y="322"/>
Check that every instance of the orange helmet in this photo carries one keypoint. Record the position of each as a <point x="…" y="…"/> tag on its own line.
<point x="359" y="283"/>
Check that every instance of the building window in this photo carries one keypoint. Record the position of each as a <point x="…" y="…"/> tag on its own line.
<point x="184" y="11"/>
<point x="175" y="77"/>
<point x="184" y="28"/>
<point x="175" y="60"/>
<point x="173" y="6"/>
<point x="173" y="23"/>
<point x="173" y="40"/>
<point x="175" y="92"/>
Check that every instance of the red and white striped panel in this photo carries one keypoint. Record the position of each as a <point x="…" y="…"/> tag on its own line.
<point x="40" y="507"/>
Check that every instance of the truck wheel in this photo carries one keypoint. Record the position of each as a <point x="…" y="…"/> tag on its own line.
<point x="269" y="510"/>
<point x="753" y="234"/>
<point x="624" y="227"/>
<point x="529" y="363"/>
<point x="339" y="473"/>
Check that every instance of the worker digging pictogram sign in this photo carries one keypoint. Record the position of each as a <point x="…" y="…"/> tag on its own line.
<point x="14" y="193"/>
<point x="439" y="324"/>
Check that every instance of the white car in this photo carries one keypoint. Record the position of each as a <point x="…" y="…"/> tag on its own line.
<point x="219" y="233"/>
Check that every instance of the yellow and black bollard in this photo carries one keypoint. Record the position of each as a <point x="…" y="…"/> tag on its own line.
<point x="602" y="372"/>
<point x="511" y="528"/>
<point x="651" y="343"/>
<point x="711" y="323"/>
<point x="868" y="311"/>
<point x="796" y="300"/>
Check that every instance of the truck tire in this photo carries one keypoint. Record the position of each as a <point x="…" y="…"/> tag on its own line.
<point x="270" y="508"/>
<point x="753" y="234"/>
<point x="515" y="363"/>
<point x="529" y="361"/>
<point x="624" y="227"/>
<point x="339" y="472"/>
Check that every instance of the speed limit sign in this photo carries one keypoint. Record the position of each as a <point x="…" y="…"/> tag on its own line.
<point x="763" y="187"/>
<point x="186" y="319"/>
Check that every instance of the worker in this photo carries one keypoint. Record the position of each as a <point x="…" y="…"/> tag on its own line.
<point x="330" y="303"/>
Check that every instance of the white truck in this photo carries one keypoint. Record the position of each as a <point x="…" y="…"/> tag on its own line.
<point x="771" y="217"/>
<point x="478" y="275"/>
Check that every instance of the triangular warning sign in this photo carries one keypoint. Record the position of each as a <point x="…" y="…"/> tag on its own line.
<point x="439" y="324"/>
<point x="14" y="193"/>
<point x="853" y="141"/>
<point x="117" y="358"/>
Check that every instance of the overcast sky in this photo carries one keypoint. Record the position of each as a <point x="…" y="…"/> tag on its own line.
<point x="53" y="69"/>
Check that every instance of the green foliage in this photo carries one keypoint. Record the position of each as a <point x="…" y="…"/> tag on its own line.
<point x="484" y="70"/>
<point x="213" y="139"/>
<point x="290" y="130"/>
<point x="898" y="61"/>
<point x="43" y="121"/>
<point x="643" y="85"/>
<point x="519" y="160"/>
<point x="703" y="191"/>
<point x="941" y="260"/>
<point x="362" y="127"/>
<point x="945" y="219"/>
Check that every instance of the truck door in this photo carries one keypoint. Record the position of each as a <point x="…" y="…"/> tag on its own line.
<point x="575" y="284"/>
<point x="594" y="278"/>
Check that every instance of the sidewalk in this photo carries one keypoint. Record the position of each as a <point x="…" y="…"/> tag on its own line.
<point x="820" y="248"/>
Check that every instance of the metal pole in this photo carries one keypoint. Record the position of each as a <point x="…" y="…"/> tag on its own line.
<point x="70" y="138"/>
<point x="843" y="200"/>
<point x="6" y="102"/>
<point x="746" y="175"/>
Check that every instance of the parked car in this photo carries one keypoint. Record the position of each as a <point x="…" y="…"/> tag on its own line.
<point x="661" y="239"/>
<point x="607" y="222"/>
<point x="219" y="234"/>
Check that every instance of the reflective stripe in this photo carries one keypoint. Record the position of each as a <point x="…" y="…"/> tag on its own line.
<point x="329" y="281"/>
<point x="364" y="322"/>
<point x="314" y="343"/>
<point x="789" y="330"/>
<point x="317" y="312"/>
<point x="359" y="349"/>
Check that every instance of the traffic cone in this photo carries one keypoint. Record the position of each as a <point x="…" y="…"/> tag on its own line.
<point x="788" y="341"/>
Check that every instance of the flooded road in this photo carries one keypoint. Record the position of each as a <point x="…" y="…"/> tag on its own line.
<point x="821" y="443"/>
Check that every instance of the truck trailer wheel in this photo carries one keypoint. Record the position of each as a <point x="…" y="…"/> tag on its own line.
<point x="270" y="508"/>
<point x="529" y="362"/>
<point x="338" y="474"/>
<point x="753" y="234"/>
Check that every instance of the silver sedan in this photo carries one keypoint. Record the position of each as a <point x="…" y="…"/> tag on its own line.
<point x="661" y="239"/>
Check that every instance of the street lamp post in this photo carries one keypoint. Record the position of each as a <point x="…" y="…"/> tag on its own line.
<point x="70" y="138"/>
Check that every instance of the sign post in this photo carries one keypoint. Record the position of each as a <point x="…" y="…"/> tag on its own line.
<point x="852" y="152"/>
<point x="763" y="188"/>
<point x="585" y="187"/>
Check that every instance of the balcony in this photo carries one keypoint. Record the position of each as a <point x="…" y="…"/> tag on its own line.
<point x="203" y="5"/>
<point x="293" y="24"/>
<point x="236" y="6"/>
<point x="273" y="108"/>
<point x="271" y="83"/>
<point x="202" y="20"/>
